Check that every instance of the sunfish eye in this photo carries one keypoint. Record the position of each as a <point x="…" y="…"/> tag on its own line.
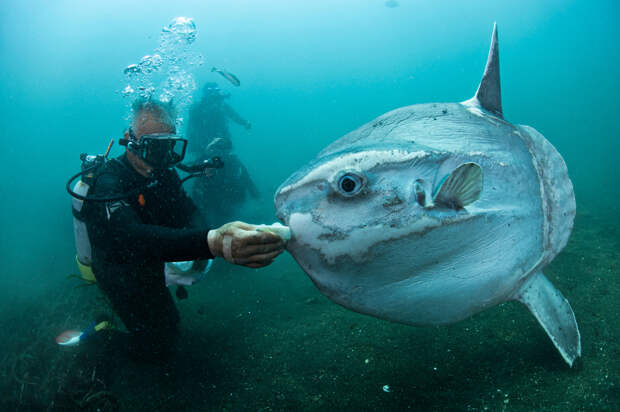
<point x="350" y="184"/>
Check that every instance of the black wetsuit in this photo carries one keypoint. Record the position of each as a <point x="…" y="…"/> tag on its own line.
<point x="132" y="238"/>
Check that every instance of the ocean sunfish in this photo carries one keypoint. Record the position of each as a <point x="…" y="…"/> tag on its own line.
<point x="434" y="212"/>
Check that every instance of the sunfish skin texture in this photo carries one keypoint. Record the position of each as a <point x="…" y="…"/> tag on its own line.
<point x="434" y="212"/>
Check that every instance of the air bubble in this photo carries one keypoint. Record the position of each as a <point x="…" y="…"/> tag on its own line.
<point x="132" y="69"/>
<point x="127" y="91"/>
<point x="166" y="72"/>
<point x="180" y="30"/>
<point x="149" y="64"/>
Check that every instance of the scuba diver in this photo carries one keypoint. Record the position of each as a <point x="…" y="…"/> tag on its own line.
<point x="208" y="132"/>
<point x="134" y="216"/>
<point x="208" y="120"/>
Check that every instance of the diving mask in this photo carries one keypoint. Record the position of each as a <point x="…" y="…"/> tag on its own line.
<point x="159" y="150"/>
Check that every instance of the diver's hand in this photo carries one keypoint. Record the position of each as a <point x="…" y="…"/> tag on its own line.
<point x="241" y="244"/>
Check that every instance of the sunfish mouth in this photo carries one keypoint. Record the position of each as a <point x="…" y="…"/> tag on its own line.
<point x="282" y="209"/>
<point x="278" y="229"/>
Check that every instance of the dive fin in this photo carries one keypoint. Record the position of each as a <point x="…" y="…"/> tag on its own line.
<point x="460" y="188"/>
<point x="554" y="314"/>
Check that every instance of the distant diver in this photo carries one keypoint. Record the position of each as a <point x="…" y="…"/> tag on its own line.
<point x="391" y="4"/>
<point x="208" y="119"/>
<point x="228" y="76"/>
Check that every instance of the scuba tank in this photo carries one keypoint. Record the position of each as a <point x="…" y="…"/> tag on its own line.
<point x="90" y="165"/>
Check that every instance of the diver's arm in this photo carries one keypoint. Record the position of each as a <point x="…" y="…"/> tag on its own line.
<point x="159" y="242"/>
<point x="234" y="116"/>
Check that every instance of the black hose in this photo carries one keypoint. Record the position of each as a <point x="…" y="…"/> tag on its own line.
<point x="186" y="178"/>
<point x="97" y="198"/>
<point x="190" y="169"/>
<point x="75" y="176"/>
<point x="213" y="163"/>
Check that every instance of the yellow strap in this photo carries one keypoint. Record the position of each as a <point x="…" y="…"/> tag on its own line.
<point x="86" y="271"/>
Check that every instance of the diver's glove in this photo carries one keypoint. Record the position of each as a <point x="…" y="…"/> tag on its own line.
<point x="240" y="243"/>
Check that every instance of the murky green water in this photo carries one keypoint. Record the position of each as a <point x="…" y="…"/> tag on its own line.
<point x="310" y="72"/>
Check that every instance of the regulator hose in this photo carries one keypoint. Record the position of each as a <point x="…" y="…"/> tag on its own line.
<point x="98" y="198"/>
<point x="193" y="170"/>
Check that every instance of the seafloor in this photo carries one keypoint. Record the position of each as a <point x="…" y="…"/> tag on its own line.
<point x="268" y="340"/>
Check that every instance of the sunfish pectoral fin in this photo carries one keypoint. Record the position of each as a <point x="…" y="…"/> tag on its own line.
<point x="460" y="188"/>
<point x="553" y="313"/>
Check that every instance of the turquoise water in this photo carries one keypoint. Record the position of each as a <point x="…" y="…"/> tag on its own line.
<point x="310" y="72"/>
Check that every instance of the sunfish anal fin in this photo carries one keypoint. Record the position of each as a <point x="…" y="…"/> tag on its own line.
<point x="554" y="314"/>
<point x="460" y="188"/>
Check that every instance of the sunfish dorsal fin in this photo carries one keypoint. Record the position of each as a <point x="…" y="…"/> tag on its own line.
<point x="489" y="94"/>
<point x="460" y="188"/>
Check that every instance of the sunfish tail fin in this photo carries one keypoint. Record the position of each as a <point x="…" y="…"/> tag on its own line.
<point x="554" y="314"/>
